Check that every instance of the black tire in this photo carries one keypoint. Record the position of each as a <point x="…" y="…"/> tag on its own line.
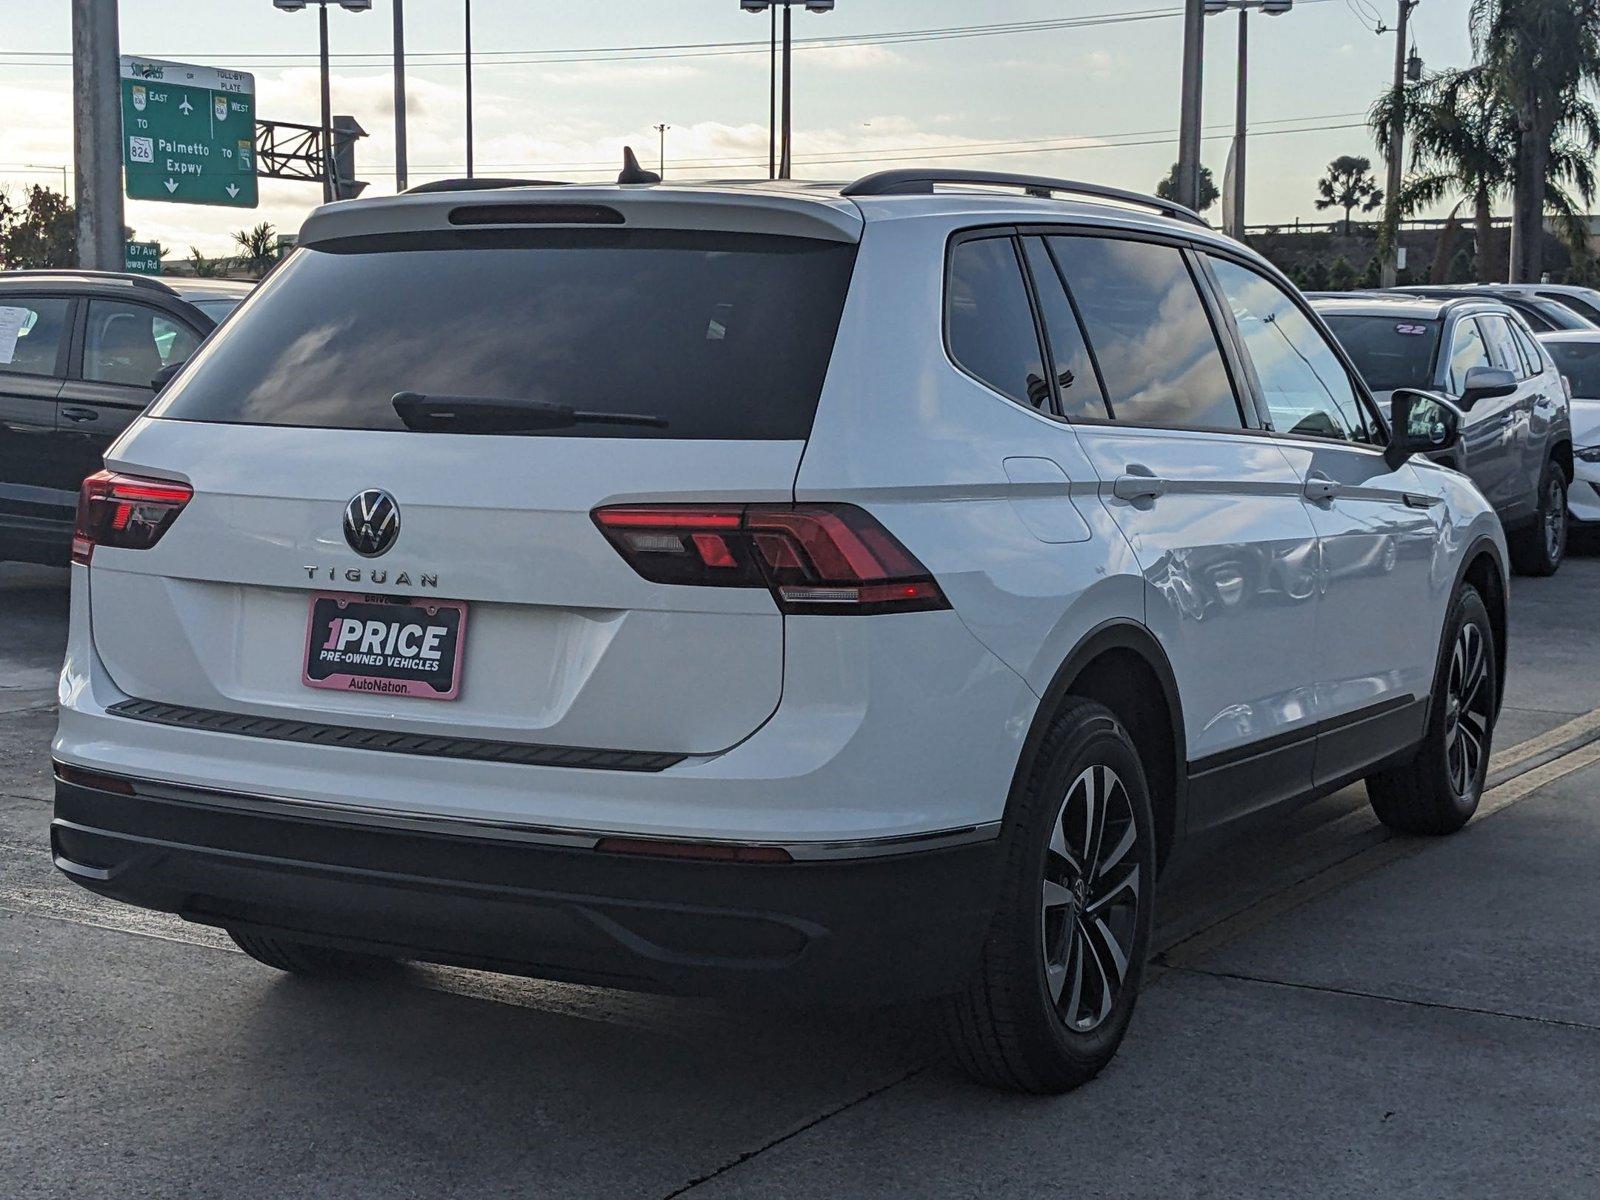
<point x="1019" y="1024"/>
<point x="1438" y="791"/>
<point x="1538" y="549"/>
<point x="302" y="958"/>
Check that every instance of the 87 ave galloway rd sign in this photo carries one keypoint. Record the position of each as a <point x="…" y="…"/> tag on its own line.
<point x="188" y="133"/>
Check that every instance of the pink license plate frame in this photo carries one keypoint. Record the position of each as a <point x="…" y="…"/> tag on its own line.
<point x="371" y="680"/>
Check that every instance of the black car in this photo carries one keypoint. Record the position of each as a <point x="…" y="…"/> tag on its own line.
<point x="1516" y="433"/>
<point x="1544" y="311"/>
<point x="79" y="356"/>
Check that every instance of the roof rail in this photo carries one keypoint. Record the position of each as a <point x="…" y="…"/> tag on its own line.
<point x="478" y="183"/>
<point x="128" y="277"/>
<point x="921" y="180"/>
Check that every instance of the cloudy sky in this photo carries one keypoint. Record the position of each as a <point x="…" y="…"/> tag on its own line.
<point x="562" y="86"/>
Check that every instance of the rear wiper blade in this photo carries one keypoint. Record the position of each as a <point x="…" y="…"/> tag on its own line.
<point x="490" y="414"/>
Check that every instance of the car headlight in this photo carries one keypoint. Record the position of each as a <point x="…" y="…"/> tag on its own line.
<point x="1590" y="455"/>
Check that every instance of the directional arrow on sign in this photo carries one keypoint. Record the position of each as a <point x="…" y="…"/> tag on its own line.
<point x="232" y="190"/>
<point x="186" y="108"/>
<point x="171" y="186"/>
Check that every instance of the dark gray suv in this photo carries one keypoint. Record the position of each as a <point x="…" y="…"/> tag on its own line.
<point x="1516" y="441"/>
<point x="79" y="355"/>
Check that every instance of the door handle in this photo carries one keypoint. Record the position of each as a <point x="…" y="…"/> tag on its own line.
<point x="1319" y="488"/>
<point x="1140" y="483"/>
<point x="73" y="413"/>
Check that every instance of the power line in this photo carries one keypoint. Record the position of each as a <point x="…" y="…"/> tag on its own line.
<point x="649" y="53"/>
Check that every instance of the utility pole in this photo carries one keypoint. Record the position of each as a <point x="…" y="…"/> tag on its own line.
<point x="661" y="131"/>
<point x="97" y="133"/>
<point x="327" y="109"/>
<point x="400" y="95"/>
<point x="1194" y="35"/>
<point x="785" y="164"/>
<point x="469" y="88"/>
<point x="1389" y="269"/>
<point x="1240" y="125"/>
<point x="772" y="99"/>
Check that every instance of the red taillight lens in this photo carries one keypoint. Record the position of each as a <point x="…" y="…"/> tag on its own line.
<point x="124" y="511"/>
<point x="814" y="558"/>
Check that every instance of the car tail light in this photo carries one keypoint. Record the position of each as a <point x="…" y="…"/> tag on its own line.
<point x="814" y="558"/>
<point x="125" y="511"/>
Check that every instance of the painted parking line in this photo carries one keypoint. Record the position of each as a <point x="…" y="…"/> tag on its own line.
<point x="1567" y="736"/>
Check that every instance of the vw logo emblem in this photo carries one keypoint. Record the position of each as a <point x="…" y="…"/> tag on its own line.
<point x="371" y="522"/>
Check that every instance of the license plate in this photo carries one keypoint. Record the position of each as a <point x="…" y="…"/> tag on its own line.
<point x="385" y="647"/>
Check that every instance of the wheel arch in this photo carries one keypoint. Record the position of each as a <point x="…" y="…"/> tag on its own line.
<point x="1120" y="664"/>
<point x="1561" y="455"/>
<point x="1483" y="567"/>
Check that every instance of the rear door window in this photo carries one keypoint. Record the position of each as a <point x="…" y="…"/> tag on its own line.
<point x="1467" y="350"/>
<point x="1580" y="363"/>
<point x="1530" y="351"/>
<point x="989" y="321"/>
<point x="719" y="335"/>
<point x="1077" y="384"/>
<point x="1150" y="332"/>
<point x="30" y="334"/>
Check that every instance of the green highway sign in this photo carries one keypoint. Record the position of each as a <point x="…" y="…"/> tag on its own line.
<point x="188" y="133"/>
<point x="142" y="258"/>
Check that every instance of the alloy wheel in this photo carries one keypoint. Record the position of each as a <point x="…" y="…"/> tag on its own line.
<point x="1555" y="518"/>
<point x="1467" y="710"/>
<point x="1090" y="898"/>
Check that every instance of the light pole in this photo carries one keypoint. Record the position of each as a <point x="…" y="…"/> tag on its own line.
<point x="1389" y="270"/>
<point x="327" y="102"/>
<point x="1194" y="44"/>
<point x="1233" y="219"/>
<point x="400" y="180"/>
<point x="661" y="131"/>
<point x="469" y="88"/>
<point x="785" y="143"/>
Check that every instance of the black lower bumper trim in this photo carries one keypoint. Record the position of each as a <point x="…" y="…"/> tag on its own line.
<point x="864" y="930"/>
<point x="391" y="741"/>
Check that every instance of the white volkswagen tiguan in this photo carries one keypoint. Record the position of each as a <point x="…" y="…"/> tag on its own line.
<point x="815" y="592"/>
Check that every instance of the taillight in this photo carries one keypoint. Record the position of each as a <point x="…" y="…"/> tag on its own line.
<point x="124" y="511"/>
<point x="814" y="558"/>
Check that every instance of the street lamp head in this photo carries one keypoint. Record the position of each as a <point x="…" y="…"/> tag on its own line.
<point x="819" y="6"/>
<point x="347" y="5"/>
<point x="1276" y="8"/>
<point x="755" y="6"/>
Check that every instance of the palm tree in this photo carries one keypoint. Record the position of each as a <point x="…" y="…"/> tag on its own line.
<point x="1463" y="141"/>
<point x="1540" y="54"/>
<point x="260" y="246"/>
<point x="1349" y="184"/>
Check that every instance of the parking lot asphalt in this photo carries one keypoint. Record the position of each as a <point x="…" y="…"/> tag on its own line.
<point x="1335" y="1012"/>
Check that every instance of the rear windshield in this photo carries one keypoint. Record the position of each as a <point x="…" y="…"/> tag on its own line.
<point x="1390" y="352"/>
<point x="1580" y="363"/>
<point x="719" y="335"/>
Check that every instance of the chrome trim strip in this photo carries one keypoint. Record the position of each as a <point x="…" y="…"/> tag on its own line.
<point x="513" y="831"/>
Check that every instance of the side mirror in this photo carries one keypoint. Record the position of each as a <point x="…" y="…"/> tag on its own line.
<point x="165" y="375"/>
<point x="1486" y="383"/>
<point x="1420" y="423"/>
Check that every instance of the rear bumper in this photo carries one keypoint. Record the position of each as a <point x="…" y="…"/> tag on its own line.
<point x="888" y="927"/>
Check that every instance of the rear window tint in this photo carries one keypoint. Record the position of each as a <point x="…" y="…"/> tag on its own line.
<point x="721" y="335"/>
<point x="1390" y="352"/>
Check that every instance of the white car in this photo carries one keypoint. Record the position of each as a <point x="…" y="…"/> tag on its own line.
<point x="1577" y="355"/>
<point x="844" y="593"/>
